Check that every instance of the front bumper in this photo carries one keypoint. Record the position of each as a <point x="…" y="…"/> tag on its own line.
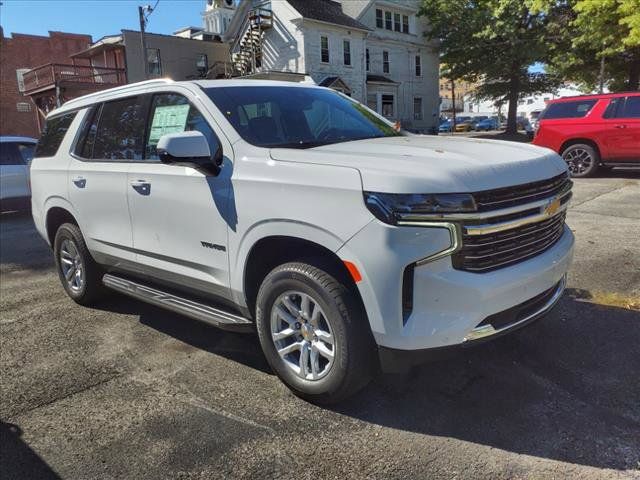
<point x="395" y="360"/>
<point x="449" y="305"/>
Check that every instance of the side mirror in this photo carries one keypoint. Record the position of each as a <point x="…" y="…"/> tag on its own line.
<point x="190" y="148"/>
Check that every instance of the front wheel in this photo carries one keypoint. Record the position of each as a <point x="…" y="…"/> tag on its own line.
<point x="582" y="160"/>
<point x="314" y="333"/>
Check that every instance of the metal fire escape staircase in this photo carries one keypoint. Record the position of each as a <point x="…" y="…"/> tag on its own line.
<point x="246" y="52"/>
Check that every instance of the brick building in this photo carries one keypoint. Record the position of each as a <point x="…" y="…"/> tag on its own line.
<point x="20" y="53"/>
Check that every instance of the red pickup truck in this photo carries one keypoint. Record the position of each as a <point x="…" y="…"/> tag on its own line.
<point x="592" y="131"/>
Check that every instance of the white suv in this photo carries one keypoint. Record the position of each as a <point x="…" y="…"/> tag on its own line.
<point x="15" y="156"/>
<point x="295" y="211"/>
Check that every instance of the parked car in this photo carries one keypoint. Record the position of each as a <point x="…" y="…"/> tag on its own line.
<point x="15" y="155"/>
<point x="465" y="125"/>
<point x="294" y="211"/>
<point x="591" y="131"/>
<point x="445" y="127"/>
<point x="487" y="124"/>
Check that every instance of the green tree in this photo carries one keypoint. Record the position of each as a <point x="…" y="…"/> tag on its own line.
<point x="495" y="42"/>
<point x="595" y="31"/>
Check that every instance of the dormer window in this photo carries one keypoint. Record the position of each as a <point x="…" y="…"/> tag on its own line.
<point x="393" y="21"/>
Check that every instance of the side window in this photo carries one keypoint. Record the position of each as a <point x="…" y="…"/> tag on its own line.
<point x="568" y="109"/>
<point x="172" y="113"/>
<point x="53" y="133"/>
<point x="9" y="154"/>
<point x="26" y="151"/>
<point x="120" y="130"/>
<point x="613" y="107"/>
<point x="631" y="108"/>
<point x="84" y="147"/>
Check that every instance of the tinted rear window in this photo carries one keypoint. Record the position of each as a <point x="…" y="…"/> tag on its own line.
<point x="576" y="109"/>
<point x="9" y="154"/>
<point x="631" y="108"/>
<point x="53" y="133"/>
<point x="120" y="133"/>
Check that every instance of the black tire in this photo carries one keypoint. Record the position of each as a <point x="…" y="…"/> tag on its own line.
<point x="353" y="348"/>
<point x="583" y="160"/>
<point x="90" y="289"/>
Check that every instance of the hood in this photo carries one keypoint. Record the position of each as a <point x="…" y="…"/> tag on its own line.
<point x="432" y="164"/>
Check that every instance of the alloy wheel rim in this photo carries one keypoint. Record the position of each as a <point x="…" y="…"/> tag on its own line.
<point x="579" y="161"/>
<point x="71" y="265"/>
<point x="302" y="335"/>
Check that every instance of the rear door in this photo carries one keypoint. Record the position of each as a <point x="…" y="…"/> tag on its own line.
<point x="111" y="140"/>
<point x="179" y="214"/>
<point x="624" y="129"/>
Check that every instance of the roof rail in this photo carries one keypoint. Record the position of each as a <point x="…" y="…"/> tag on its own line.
<point x="89" y="96"/>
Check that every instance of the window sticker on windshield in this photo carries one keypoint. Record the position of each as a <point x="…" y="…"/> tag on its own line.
<point x="169" y="119"/>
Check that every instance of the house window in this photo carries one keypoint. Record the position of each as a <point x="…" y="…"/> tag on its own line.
<point x="385" y="62"/>
<point x="405" y="24"/>
<point x="367" y="59"/>
<point x="417" y="108"/>
<point x="387" y="105"/>
<point x="379" y="23"/>
<point x="396" y="22"/>
<point x="324" y="49"/>
<point x="418" y="66"/>
<point x="372" y="101"/>
<point x="23" y="106"/>
<point x="388" y="22"/>
<point x="153" y="61"/>
<point x="202" y="63"/>
<point x="346" y="50"/>
<point x="20" y="75"/>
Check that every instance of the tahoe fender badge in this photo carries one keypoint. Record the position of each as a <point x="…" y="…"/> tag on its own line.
<point x="214" y="246"/>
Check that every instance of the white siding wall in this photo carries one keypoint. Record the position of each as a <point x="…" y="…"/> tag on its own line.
<point x="354" y="75"/>
<point x="283" y="46"/>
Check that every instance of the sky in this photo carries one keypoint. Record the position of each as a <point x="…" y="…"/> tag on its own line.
<point x="96" y="17"/>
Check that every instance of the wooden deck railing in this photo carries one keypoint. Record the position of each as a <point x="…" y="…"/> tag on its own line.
<point x="53" y="74"/>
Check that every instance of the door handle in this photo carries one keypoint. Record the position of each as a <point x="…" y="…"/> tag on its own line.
<point x="621" y="126"/>
<point x="141" y="186"/>
<point x="80" y="182"/>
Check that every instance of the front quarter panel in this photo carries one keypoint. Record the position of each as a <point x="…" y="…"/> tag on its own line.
<point x="319" y="203"/>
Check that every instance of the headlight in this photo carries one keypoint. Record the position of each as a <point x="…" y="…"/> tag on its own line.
<point x="389" y="207"/>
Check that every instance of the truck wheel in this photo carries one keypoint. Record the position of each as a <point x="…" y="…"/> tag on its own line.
<point x="314" y="333"/>
<point x="79" y="274"/>
<point x="582" y="160"/>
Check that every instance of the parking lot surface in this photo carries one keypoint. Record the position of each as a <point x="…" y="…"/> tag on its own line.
<point x="126" y="390"/>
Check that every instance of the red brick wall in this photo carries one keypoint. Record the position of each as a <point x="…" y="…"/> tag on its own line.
<point x="30" y="51"/>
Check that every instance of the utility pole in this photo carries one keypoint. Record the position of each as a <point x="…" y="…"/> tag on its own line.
<point x="143" y="41"/>
<point x="453" y="103"/>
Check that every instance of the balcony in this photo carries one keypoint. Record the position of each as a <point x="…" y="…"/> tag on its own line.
<point x="84" y="77"/>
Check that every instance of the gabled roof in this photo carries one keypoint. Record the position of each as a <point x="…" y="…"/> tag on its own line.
<point x="326" y="11"/>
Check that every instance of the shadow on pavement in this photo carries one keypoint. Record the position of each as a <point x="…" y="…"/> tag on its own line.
<point x="240" y="347"/>
<point x="565" y="388"/>
<point x="17" y="460"/>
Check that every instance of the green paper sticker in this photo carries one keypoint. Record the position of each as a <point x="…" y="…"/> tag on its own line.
<point x="169" y="119"/>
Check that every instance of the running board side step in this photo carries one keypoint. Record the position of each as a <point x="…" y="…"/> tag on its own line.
<point x="189" y="308"/>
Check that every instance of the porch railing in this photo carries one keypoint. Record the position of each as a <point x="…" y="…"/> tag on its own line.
<point x="52" y="74"/>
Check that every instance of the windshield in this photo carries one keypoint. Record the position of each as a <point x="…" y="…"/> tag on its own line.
<point x="296" y="117"/>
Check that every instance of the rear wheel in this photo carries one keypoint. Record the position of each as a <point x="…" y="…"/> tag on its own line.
<point x="582" y="160"/>
<point x="314" y="333"/>
<point x="79" y="274"/>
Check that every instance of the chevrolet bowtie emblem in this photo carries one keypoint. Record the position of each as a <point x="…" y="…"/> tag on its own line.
<point x="552" y="207"/>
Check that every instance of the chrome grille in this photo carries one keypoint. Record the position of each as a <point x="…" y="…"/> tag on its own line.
<point x="481" y="253"/>
<point x="521" y="194"/>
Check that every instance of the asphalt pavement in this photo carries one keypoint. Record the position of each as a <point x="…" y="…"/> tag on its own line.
<point x="129" y="391"/>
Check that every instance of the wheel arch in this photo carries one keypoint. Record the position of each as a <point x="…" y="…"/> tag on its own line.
<point x="270" y="251"/>
<point x="55" y="217"/>
<point x="575" y="141"/>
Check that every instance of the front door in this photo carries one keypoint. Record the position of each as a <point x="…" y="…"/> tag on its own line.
<point x="180" y="215"/>
<point x="625" y="135"/>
